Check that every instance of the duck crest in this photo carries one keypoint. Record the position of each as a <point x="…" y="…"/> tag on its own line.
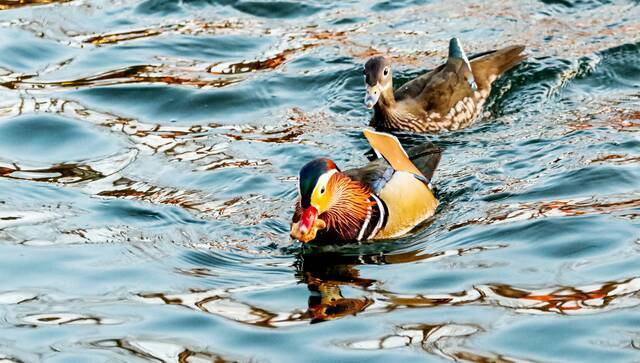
<point x="351" y="208"/>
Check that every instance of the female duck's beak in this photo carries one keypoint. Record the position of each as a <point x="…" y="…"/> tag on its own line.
<point x="307" y="227"/>
<point x="373" y="93"/>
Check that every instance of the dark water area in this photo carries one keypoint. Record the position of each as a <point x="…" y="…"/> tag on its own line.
<point x="148" y="160"/>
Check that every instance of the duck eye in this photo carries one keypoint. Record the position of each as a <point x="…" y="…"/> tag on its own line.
<point x="322" y="190"/>
<point x="386" y="71"/>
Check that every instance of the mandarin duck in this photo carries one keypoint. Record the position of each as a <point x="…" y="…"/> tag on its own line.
<point x="449" y="97"/>
<point x="384" y="199"/>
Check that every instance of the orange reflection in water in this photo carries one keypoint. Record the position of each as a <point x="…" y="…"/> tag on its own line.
<point x="194" y="145"/>
<point x="271" y="62"/>
<point x="327" y="301"/>
<point x="222" y="303"/>
<point x="567" y="299"/>
<point x="143" y="73"/>
<point x="13" y="4"/>
<point x="621" y="120"/>
<point x="324" y="275"/>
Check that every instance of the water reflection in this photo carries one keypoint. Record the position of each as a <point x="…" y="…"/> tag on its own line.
<point x="327" y="274"/>
<point x="222" y="302"/>
<point x="35" y="320"/>
<point x="623" y="205"/>
<point x="17" y="297"/>
<point x="568" y="300"/>
<point x="12" y="4"/>
<point x="110" y="38"/>
<point x="269" y="63"/>
<point x="197" y="115"/>
<point x="443" y="340"/>
<point x="69" y="173"/>
<point x="205" y="145"/>
<point x="156" y="350"/>
<point x="171" y="71"/>
<point x="9" y="359"/>
<point x="324" y="275"/>
<point x="163" y="74"/>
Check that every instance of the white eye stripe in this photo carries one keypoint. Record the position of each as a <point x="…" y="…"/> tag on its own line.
<point x="322" y="181"/>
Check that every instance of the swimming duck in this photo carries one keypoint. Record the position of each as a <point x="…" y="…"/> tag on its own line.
<point x="449" y="97"/>
<point x="384" y="199"/>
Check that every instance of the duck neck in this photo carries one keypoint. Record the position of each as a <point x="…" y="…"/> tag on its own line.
<point x="350" y="206"/>
<point x="387" y="99"/>
<point x="384" y="108"/>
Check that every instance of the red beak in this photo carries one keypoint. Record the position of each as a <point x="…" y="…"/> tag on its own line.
<point x="308" y="217"/>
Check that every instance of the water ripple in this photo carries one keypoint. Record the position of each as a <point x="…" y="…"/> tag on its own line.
<point x="148" y="162"/>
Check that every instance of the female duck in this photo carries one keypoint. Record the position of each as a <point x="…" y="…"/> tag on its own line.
<point x="384" y="199"/>
<point x="449" y="97"/>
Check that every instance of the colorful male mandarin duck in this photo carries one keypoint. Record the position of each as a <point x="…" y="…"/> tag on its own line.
<point x="384" y="199"/>
<point x="449" y="97"/>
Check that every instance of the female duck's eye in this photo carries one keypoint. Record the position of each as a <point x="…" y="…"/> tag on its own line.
<point x="386" y="71"/>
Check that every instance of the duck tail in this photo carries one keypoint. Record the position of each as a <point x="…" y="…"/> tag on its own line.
<point x="455" y="50"/>
<point x="456" y="53"/>
<point x="488" y="67"/>
<point x="425" y="157"/>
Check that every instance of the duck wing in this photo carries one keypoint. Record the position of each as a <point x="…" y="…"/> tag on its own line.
<point x="374" y="175"/>
<point x="421" y="160"/>
<point x="414" y="88"/>
<point x="451" y="83"/>
<point x="442" y="88"/>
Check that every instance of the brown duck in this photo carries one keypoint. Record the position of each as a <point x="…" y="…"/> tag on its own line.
<point x="449" y="97"/>
<point x="384" y="199"/>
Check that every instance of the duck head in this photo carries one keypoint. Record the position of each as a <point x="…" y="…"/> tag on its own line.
<point x="378" y="79"/>
<point x="331" y="200"/>
<point x="316" y="197"/>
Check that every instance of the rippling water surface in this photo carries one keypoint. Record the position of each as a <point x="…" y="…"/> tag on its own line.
<point x="148" y="161"/>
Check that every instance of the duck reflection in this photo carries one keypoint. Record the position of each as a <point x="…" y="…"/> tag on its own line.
<point x="325" y="274"/>
<point x="338" y="289"/>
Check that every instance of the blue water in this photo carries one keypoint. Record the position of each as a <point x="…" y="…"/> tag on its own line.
<point x="148" y="161"/>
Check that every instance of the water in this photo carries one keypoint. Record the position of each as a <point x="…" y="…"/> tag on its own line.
<point x="148" y="154"/>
